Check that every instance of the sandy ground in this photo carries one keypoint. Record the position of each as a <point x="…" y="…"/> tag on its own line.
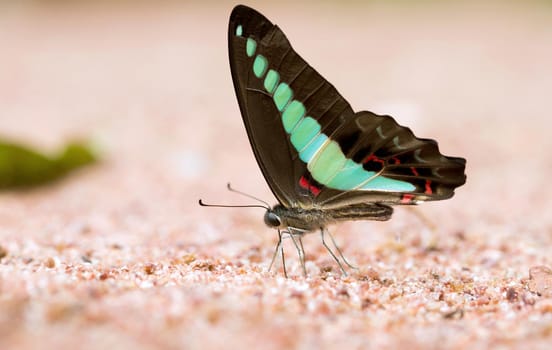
<point x="120" y="255"/>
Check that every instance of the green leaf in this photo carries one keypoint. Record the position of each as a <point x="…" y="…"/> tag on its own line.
<point x="21" y="166"/>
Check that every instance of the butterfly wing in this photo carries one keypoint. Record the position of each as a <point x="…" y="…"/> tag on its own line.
<point x="407" y="169"/>
<point x="252" y="38"/>
<point x="313" y="150"/>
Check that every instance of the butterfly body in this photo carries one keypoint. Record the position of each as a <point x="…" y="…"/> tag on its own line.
<point x="301" y="220"/>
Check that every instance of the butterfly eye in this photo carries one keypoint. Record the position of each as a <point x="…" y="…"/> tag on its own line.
<point x="272" y="220"/>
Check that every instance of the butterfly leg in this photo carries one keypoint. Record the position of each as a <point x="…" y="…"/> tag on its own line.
<point x="300" y="250"/>
<point x="303" y="250"/>
<point x="279" y="248"/>
<point x="322" y="234"/>
<point x="339" y="251"/>
<point x="283" y="261"/>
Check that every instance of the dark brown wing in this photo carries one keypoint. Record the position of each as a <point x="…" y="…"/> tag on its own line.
<point x="392" y="151"/>
<point x="313" y="150"/>
<point x="270" y="142"/>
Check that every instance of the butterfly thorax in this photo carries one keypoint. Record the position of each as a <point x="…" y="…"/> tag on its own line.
<point x="307" y="220"/>
<point x="298" y="218"/>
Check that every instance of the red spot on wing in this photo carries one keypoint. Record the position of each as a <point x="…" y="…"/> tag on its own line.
<point x="407" y="198"/>
<point x="314" y="190"/>
<point x="414" y="171"/>
<point x="396" y="160"/>
<point x="373" y="158"/>
<point x="428" y="189"/>
<point x="305" y="184"/>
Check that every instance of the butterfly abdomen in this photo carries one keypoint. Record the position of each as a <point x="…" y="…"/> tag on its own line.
<point x="368" y="211"/>
<point x="308" y="220"/>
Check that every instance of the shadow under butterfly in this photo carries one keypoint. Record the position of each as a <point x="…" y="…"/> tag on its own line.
<point x="324" y="162"/>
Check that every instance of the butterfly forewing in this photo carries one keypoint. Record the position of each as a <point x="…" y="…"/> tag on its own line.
<point x="313" y="150"/>
<point x="277" y="157"/>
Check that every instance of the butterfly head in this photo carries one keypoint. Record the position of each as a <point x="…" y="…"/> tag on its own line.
<point x="272" y="219"/>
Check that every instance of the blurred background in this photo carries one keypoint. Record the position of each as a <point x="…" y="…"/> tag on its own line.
<point x="94" y="256"/>
<point x="149" y="83"/>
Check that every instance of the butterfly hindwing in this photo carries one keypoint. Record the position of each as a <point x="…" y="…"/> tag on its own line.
<point x="313" y="150"/>
<point x="392" y="151"/>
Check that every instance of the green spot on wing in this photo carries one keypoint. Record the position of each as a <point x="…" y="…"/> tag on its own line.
<point x="259" y="66"/>
<point x="312" y="148"/>
<point x="282" y="95"/>
<point x="350" y="176"/>
<point x="271" y="79"/>
<point x="293" y="113"/>
<point x="329" y="161"/>
<point x="380" y="183"/>
<point x="239" y="30"/>
<point x="307" y="129"/>
<point x="250" y="47"/>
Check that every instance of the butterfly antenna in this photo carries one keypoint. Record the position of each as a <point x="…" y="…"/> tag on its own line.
<point x="231" y="206"/>
<point x="247" y="195"/>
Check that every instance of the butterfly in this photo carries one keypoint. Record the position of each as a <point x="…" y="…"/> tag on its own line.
<point x="323" y="161"/>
